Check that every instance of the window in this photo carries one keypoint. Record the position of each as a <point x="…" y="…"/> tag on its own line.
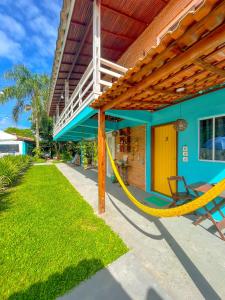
<point x="9" y="148"/>
<point x="212" y="139"/>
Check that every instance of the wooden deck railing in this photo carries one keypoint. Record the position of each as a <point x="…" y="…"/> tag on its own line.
<point x="85" y="92"/>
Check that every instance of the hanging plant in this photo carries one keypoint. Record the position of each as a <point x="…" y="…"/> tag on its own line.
<point x="180" y="125"/>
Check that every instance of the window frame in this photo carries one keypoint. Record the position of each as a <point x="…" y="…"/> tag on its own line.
<point x="213" y="136"/>
<point x="8" y="150"/>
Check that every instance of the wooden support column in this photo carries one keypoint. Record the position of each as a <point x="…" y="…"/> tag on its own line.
<point x="101" y="161"/>
<point x="96" y="45"/>
<point x="57" y="112"/>
<point x="67" y="92"/>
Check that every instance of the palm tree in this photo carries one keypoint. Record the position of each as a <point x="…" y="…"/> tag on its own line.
<point x="30" y="90"/>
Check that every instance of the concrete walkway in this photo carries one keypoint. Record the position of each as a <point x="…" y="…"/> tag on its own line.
<point x="177" y="258"/>
<point x="124" y="279"/>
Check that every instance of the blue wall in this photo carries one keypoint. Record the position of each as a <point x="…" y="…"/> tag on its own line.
<point x="24" y="148"/>
<point x="204" y="106"/>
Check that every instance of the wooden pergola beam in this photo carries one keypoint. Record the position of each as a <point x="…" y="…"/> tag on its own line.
<point x="209" y="67"/>
<point x="206" y="45"/>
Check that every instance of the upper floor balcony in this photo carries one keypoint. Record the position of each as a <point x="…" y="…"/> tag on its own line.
<point x="97" y="42"/>
<point x="88" y="89"/>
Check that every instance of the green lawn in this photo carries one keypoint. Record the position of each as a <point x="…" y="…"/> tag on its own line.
<point x="50" y="239"/>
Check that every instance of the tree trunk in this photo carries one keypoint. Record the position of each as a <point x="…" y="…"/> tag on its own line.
<point x="37" y="133"/>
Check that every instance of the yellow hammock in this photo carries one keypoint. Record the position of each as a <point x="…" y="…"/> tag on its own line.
<point x="169" y="212"/>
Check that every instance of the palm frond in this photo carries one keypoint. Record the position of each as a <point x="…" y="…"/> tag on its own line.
<point x="17" y="110"/>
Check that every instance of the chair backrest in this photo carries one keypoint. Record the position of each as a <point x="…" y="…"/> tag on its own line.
<point x="177" y="179"/>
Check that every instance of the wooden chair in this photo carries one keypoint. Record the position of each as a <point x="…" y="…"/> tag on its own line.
<point x="219" y="221"/>
<point x="219" y="224"/>
<point x="177" y="196"/>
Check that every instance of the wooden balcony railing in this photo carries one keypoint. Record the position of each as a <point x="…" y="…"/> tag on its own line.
<point x="85" y="92"/>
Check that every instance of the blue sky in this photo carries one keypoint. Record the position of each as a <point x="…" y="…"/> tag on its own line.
<point x="28" y="32"/>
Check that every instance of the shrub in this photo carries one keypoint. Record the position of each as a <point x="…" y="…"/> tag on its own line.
<point x="11" y="167"/>
<point x="66" y="156"/>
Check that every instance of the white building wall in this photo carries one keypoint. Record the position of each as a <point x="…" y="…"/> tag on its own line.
<point x="20" y="143"/>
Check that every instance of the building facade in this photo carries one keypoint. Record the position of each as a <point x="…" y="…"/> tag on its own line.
<point x="154" y="73"/>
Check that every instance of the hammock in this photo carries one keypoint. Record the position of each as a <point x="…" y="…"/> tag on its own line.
<point x="169" y="212"/>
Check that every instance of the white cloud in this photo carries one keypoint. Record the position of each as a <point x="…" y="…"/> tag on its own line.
<point x="28" y="8"/>
<point x="53" y="6"/>
<point x="45" y="46"/>
<point x="12" y="27"/>
<point x="44" y="26"/>
<point x="10" y="49"/>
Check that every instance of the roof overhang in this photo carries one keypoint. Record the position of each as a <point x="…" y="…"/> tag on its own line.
<point x="121" y="24"/>
<point x="188" y="62"/>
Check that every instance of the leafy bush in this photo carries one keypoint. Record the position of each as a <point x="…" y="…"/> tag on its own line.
<point x="37" y="152"/>
<point x="66" y="156"/>
<point x="11" y="167"/>
<point x="20" y="132"/>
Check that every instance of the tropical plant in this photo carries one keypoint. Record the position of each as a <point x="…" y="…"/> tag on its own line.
<point x="88" y="151"/>
<point x="30" y="91"/>
<point x="11" y="167"/>
<point x="27" y="132"/>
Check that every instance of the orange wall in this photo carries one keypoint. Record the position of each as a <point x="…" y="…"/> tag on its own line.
<point x="149" y="37"/>
<point x="136" y="158"/>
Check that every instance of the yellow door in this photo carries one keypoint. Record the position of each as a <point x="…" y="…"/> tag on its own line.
<point x="164" y="138"/>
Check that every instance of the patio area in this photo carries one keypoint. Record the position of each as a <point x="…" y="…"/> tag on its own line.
<point x="187" y="261"/>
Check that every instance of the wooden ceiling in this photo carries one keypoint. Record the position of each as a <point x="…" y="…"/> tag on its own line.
<point x="187" y="62"/>
<point x="121" y="23"/>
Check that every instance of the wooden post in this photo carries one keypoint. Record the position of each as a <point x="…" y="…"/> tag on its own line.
<point x="57" y="112"/>
<point x="67" y="92"/>
<point x="96" y="45"/>
<point x="101" y="161"/>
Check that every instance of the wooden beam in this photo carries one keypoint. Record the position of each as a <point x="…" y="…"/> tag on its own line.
<point x="116" y="11"/>
<point x="141" y="101"/>
<point x="101" y="161"/>
<point x="118" y="49"/>
<point x="118" y="35"/>
<point x="207" y="44"/>
<point x="73" y="40"/>
<point x="73" y="54"/>
<point x="209" y="67"/>
<point x="76" y="22"/>
<point x="80" y="47"/>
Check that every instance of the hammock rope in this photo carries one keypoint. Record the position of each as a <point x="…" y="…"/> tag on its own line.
<point x="169" y="212"/>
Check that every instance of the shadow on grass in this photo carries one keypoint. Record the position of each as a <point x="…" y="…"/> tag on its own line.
<point x="59" y="283"/>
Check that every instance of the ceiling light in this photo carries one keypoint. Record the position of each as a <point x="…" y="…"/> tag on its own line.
<point x="180" y="90"/>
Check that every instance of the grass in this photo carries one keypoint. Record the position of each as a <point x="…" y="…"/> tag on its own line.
<point x="50" y="238"/>
<point x="38" y="160"/>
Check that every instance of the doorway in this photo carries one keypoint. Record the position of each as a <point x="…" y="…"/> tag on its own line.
<point x="164" y="157"/>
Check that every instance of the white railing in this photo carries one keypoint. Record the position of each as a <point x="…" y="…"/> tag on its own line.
<point x="84" y="93"/>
